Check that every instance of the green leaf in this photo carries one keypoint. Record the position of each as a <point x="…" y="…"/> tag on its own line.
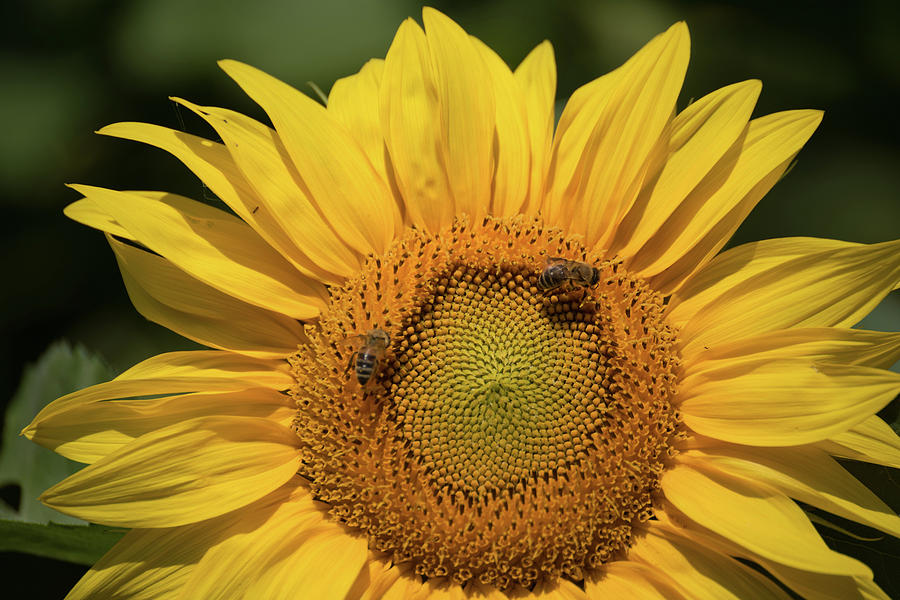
<point x="59" y="371"/>
<point x="82" y="544"/>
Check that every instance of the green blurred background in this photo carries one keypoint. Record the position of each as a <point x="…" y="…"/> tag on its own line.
<point x="69" y="67"/>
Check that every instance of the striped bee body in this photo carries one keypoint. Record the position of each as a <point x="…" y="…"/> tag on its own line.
<point x="560" y="270"/>
<point x="554" y="274"/>
<point x="370" y="354"/>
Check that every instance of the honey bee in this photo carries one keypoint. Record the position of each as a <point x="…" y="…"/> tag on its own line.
<point x="371" y="351"/>
<point x="560" y="270"/>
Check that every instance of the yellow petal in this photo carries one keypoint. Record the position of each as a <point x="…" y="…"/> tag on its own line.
<point x="291" y="552"/>
<point x="374" y="579"/>
<point x="159" y="563"/>
<point x="166" y="374"/>
<point x="444" y="588"/>
<point x="440" y="589"/>
<point x="625" y="126"/>
<point x="869" y="590"/>
<point x="708" y="217"/>
<point x="259" y="154"/>
<point x="87" y="212"/>
<point x="248" y="535"/>
<point x="405" y="587"/>
<point x="209" y="161"/>
<point x="700" y="136"/>
<point x="703" y="573"/>
<point x="572" y="133"/>
<point x="806" y="474"/>
<point x="467" y="112"/>
<point x="627" y="580"/>
<point x="410" y="109"/>
<point x="812" y="585"/>
<point x="736" y="265"/>
<point x="783" y="403"/>
<point x="536" y="76"/>
<point x="816" y="344"/>
<point x="871" y="440"/>
<point x="832" y="287"/>
<point x="214" y="247"/>
<point x="98" y="427"/>
<point x="146" y="564"/>
<point x="353" y="102"/>
<point x="166" y="295"/>
<point x="475" y="590"/>
<point x="825" y="586"/>
<point x="340" y="179"/>
<point x="323" y="565"/>
<point x="212" y="163"/>
<point x="212" y="364"/>
<point x="512" y="147"/>
<point x="181" y="474"/>
<point x="754" y="516"/>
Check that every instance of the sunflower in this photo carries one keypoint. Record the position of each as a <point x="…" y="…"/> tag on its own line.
<point x="456" y="352"/>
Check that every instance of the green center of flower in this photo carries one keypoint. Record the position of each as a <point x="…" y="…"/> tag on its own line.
<point x="497" y="384"/>
<point x="508" y="432"/>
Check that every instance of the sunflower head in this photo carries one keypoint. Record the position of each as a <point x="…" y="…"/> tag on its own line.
<point x="498" y="408"/>
<point x="460" y="350"/>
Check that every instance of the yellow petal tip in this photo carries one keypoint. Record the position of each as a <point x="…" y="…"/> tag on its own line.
<point x="80" y="188"/>
<point x="229" y="65"/>
<point x="113" y="129"/>
<point x="432" y="17"/>
<point x="811" y="117"/>
<point x="187" y="104"/>
<point x="811" y="114"/>
<point x="680" y="29"/>
<point x="429" y="11"/>
<point x="677" y="39"/>
<point x="755" y="84"/>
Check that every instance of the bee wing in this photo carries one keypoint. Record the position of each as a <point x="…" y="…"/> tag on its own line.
<point x="556" y="261"/>
<point x="380" y="337"/>
<point x="584" y="270"/>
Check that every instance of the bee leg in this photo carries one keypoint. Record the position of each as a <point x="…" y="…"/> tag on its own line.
<point x="584" y="297"/>
<point x="350" y="362"/>
<point x="558" y="289"/>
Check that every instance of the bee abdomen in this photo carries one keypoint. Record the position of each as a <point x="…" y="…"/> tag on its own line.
<point x="365" y="366"/>
<point x="552" y="277"/>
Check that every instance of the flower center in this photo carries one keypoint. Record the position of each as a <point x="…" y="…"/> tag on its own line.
<point x="515" y="425"/>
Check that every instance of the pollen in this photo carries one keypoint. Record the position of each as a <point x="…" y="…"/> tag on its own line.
<point x="509" y="433"/>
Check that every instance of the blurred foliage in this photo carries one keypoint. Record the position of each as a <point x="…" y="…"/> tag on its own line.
<point x="79" y="544"/>
<point x="69" y="67"/>
<point x="26" y="470"/>
<point x="25" y="465"/>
